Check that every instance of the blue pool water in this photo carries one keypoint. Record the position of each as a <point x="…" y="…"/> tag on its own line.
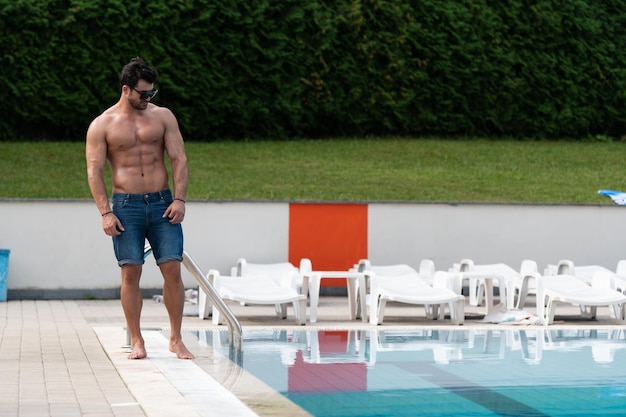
<point x="430" y="372"/>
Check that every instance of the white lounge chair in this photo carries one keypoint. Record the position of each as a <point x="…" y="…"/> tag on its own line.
<point x="586" y="273"/>
<point x="553" y="290"/>
<point x="411" y="289"/>
<point x="243" y="267"/>
<point x="274" y="288"/>
<point x="427" y="266"/>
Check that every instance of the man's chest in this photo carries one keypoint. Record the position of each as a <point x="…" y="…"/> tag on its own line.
<point x="128" y="134"/>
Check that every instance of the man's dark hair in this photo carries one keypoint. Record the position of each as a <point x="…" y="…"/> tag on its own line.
<point x="136" y="70"/>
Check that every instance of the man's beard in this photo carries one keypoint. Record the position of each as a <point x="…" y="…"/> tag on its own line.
<point x="139" y="105"/>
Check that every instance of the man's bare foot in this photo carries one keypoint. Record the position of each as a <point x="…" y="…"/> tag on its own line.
<point x="180" y="350"/>
<point x="138" y="351"/>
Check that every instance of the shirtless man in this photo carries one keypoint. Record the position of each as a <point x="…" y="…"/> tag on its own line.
<point x="133" y="136"/>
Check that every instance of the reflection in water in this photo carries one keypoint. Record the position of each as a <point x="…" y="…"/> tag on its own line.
<point x="469" y="370"/>
<point x="337" y="346"/>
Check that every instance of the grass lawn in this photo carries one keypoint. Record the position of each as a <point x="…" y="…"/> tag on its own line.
<point x="384" y="169"/>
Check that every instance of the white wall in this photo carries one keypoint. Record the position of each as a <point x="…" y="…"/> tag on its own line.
<point x="494" y="233"/>
<point x="60" y="244"/>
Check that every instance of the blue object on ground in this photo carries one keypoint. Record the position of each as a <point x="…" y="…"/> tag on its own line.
<point x="4" y="273"/>
<point x="618" y="197"/>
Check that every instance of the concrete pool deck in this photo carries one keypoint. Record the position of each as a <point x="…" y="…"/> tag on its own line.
<point x="67" y="358"/>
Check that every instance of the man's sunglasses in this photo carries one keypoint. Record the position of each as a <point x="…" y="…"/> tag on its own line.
<point x="144" y="95"/>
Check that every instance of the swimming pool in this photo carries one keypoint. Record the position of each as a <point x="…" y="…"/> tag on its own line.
<point x="531" y="371"/>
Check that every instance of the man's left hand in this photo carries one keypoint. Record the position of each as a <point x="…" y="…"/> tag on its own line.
<point x="175" y="212"/>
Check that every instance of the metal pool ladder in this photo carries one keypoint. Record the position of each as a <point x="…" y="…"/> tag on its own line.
<point x="234" y="327"/>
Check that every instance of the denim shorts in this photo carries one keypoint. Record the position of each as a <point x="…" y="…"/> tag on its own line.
<point x="142" y="218"/>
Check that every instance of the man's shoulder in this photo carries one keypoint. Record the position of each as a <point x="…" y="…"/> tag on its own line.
<point x="159" y="110"/>
<point x="163" y="114"/>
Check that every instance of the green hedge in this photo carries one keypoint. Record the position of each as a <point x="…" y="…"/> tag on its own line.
<point x="287" y="68"/>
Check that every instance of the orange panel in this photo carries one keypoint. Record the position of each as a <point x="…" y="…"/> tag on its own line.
<point x="332" y="236"/>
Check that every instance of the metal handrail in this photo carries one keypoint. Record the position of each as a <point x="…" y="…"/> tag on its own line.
<point x="234" y="327"/>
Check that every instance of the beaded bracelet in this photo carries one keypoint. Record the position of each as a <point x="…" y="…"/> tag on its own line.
<point x="108" y="212"/>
